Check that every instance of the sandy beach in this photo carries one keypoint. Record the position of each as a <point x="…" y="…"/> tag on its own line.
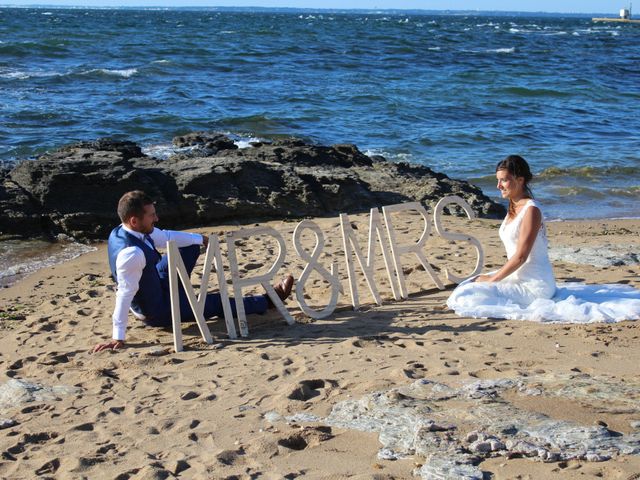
<point x="232" y="409"/>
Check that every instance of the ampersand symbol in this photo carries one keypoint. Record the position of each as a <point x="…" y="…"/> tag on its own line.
<point x="312" y="264"/>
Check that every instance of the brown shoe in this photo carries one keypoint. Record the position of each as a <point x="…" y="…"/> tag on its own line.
<point x="283" y="289"/>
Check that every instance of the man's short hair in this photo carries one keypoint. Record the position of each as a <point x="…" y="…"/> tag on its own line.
<point x="132" y="204"/>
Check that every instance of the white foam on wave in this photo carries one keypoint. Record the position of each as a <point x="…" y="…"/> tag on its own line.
<point x="16" y="75"/>
<point x="165" y="150"/>
<point x="434" y="49"/>
<point x="124" y="73"/>
<point x="493" y="50"/>
<point x="244" y="142"/>
<point x="24" y="75"/>
<point x="391" y="156"/>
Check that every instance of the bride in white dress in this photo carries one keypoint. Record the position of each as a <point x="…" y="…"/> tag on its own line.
<point x="525" y="288"/>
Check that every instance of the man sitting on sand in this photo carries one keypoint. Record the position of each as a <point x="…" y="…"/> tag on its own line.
<point x="142" y="273"/>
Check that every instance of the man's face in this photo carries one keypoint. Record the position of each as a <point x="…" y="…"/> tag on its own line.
<point x="146" y="223"/>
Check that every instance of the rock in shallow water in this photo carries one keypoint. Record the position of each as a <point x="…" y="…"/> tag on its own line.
<point x="215" y="181"/>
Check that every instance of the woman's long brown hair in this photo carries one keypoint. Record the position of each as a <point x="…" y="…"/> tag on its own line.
<point x="517" y="167"/>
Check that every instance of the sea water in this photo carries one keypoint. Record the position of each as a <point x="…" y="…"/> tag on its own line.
<point x="455" y="92"/>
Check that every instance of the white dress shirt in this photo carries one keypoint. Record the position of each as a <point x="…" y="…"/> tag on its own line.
<point x="130" y="263"/>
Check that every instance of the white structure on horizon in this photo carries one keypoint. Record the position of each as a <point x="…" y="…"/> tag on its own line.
<point x="625" y="13"/>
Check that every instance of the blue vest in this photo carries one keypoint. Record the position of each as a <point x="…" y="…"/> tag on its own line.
<point x="152" y="297"/>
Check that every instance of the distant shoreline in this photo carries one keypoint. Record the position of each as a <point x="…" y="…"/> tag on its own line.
<point x="370" y="11"/>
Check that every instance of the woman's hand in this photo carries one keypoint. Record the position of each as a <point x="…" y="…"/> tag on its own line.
<point x="483" y="278"/>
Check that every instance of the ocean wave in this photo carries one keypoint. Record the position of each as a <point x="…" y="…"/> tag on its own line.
<point x="593" y="173"/>
<point x="165" y="150"/>
<point x="631" y="192"/>
<point x="493" y="50"/>
<point x="535" y="92"/>
<point x="25" y="75"/>
<point x="124" y="73"/>
<point x="245" y="142"/>
<point x="28" y="74"/>
<point x="396" y="157"/>
<point x="575" y="191"/>
<point x="589" y="171"/>
<point x="503" y="50"/>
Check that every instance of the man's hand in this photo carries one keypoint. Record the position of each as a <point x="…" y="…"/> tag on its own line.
<point x="205" y="240"/>
<point x="112" y="345"/>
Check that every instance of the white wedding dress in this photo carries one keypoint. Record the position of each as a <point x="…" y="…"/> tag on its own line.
<point x="530" y="293"/>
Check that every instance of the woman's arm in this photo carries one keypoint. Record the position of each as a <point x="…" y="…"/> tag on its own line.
<point x="529" y="228"/>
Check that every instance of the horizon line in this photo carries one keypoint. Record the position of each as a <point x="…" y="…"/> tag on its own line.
<point x="310" y="9"/>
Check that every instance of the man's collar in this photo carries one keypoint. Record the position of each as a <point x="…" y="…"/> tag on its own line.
<point x="139" y="235"/>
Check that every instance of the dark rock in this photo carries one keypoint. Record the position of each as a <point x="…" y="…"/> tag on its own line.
<point x="207" y="143"/>
<point x="125" y="148"/>
<point x="75" y="190"/>
<point x="20" y="214"/>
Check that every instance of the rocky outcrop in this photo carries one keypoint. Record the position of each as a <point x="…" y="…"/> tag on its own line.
<point x="74" y="190"/>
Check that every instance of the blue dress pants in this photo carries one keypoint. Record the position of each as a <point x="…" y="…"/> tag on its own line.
<point x="213" y="302"/>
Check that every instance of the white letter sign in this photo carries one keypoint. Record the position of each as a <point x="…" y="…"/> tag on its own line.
<point x="351" y="245"/>
<point x="312" y="264"/>
<point x="416" y="248"/>
<point x="265" y="280"/>
<point x="458" y="236"/>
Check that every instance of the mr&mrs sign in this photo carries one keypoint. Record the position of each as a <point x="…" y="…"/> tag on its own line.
<point x="384" y="231"/>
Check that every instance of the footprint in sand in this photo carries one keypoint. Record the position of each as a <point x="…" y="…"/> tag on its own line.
<point x="308" y="389"/>
<point x="308" y="437"/>
<point x="230" y="457"/>
<point x="53" y="358"/>
<point x="414" y="370"/>
<point x="84" y="312"/>
<point x="49" y="467"/>
<point x="30" y="439"/>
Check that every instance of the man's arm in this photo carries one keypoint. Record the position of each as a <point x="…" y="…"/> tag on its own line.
<point x="129" y="266"/>
<point x="183" y="239"/>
